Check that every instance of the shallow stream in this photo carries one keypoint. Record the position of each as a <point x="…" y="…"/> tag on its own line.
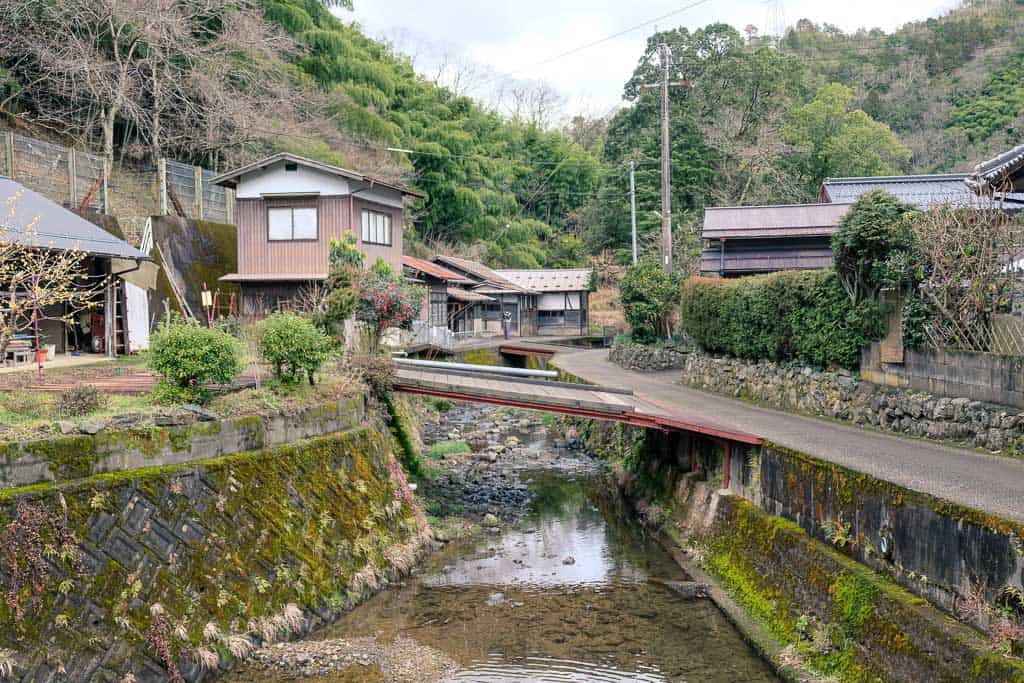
<point x="569" y="592"/>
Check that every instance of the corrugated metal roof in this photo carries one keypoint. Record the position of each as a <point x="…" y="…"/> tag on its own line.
<point x="784" y="220"/>
<point x="922" y="191"/>
<point x="550" y="279"/>
<point x="466" y="296"/>
<point x="28" y="217"/>
<point x="483" y="273"/>
<point x="433" y="269"/>
<point x="230" y="179"/>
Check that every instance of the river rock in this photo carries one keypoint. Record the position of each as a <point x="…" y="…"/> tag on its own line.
<point x="569" y="559"/>
<point x="91" y="426"/>
<point x="490" y="521"/>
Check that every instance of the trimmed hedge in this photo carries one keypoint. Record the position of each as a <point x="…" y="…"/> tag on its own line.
<point x="790" y="315"/>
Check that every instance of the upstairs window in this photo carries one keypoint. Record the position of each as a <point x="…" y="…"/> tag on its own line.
<point x="291" y="223"/>
<point x="376" y="227"/>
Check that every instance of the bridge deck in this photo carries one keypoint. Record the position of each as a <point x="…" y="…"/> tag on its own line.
<point x="584" y="400"/>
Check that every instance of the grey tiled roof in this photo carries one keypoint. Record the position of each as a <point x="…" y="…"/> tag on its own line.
<point x="1005" y="171"/>
<point x="22" y="211"/>
<point x="922" y="191"/>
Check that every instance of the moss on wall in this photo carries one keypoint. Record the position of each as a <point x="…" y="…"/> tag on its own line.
<point x="868" y="628"/>
<point x="228" y="541"/>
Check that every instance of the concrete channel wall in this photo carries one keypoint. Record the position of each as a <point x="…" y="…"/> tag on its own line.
<point x="221" y="552"/>
<point x="112" y="450"/>
<point x="794" y="535"/>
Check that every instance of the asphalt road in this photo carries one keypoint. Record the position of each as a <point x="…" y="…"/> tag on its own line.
<point x="991" y="483"/>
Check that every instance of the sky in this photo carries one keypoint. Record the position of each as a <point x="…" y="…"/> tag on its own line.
<point x="515" y="37"/>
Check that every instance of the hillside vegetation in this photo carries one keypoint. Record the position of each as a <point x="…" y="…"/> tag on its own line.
<point x="221" y="81"/>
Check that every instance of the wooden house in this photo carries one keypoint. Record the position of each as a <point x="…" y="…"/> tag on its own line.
<point x="288" y="208"/>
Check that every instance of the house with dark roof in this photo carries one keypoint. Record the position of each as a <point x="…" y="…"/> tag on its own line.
<point x="921" y="191"/>
<point x="505" y="297"/>
<point x="31" y="219"/>
<point x="449" y="303"/>
<point x="289" y="208"/>
<point x="1000" y="175"/>
<point x="745" y="240"/>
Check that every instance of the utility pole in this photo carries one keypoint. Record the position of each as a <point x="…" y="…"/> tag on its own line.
<point x="632" y="204"/>
<point x="665" y="53"/>
<point x="666" y="199"/>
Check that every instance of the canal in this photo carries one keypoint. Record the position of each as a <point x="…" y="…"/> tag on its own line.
<point x="564" y="590"/>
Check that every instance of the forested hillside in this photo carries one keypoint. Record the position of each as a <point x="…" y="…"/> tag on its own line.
<point x="219" y="81"/>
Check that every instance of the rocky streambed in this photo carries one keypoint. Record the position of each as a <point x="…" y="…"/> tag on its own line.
<point x="535" y="578"/>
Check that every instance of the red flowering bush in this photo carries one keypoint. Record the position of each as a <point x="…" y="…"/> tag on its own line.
<point x="386" y="300"/>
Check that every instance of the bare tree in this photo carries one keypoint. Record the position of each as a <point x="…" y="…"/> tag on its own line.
<point x="36" y="279"/>
<point x="199" y="76"/>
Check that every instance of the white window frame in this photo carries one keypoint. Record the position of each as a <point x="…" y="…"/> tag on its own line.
<point x="376" y="228"/>
<point x="291" y="217"/>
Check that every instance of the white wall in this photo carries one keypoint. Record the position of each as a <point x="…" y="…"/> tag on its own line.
<point x="275" y="180"/>
<point x="555" y="301"/>
<point x="378" y="195"/>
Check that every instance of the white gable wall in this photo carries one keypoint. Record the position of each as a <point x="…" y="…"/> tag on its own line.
<point x="276" y="180"/>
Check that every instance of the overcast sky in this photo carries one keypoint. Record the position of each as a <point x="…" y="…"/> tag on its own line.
<point x="512" y="37"/>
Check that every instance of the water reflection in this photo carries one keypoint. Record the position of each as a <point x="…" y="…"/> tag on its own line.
<point x="513" y="608"/>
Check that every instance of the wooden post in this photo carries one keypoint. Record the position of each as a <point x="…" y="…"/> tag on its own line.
<point x="197" y="183"/>
<point x="229" y="200"/>
<point x="72" y="178"/>
<point x="161" y="179"/>
<point x="9" y="153"/>
<point x="726" y="464"/>
<point x="109" y="315"/>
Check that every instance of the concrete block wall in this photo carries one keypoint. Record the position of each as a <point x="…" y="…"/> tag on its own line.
<point x="987" y="377"/>
<point x="80" y="456"/>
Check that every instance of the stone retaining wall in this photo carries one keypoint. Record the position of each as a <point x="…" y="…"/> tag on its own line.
<point x="226" y="554"/>
<point x="845" y="396"/>
<point x="647" y="358"/>
<point x="111" y="450"/>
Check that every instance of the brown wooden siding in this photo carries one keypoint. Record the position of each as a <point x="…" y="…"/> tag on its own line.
<point x="391" y="254"/>
<point x="258" y="255"/>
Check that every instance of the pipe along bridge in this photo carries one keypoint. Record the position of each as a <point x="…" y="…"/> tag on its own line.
<point x="541" y="390"/>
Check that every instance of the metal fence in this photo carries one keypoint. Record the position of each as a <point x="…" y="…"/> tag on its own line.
<point x="80" y="180"/>
<point x="63" y="174"/>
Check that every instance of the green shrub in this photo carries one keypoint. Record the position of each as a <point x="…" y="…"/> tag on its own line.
<point x="188" y="356"/>
<point x="648" y="295"/>
<point x="293" y="346"/>
<point x="441" y="405"/>
<point x="794" y="315"/>
<point x="79" y="400"/>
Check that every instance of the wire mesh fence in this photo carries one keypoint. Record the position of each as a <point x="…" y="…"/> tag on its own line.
<point x="132" y="192"/>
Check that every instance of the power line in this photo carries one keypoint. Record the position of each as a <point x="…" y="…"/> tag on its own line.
<point x="600" y="41"/>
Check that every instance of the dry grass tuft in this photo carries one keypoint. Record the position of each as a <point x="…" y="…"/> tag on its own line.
<point x="240" y="647"/>
<point x="6" y="664"/>
<point x="211" y="632"/>
<point x="206" y="658"/>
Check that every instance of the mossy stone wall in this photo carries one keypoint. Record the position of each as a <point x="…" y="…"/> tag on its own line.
<point x="941" y="551"/>
<point x="74" y="457"/>
<point x="229" y="541"/>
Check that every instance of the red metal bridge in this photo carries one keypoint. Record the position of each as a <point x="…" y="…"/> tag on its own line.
<point x="534" y="390"/>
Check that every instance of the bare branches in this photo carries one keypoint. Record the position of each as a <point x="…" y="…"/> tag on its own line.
<point x="191" y="76"/>
<point x="972" y="266"/>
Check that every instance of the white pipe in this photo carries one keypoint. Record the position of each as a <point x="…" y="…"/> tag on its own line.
<point x="468" y="367"/>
